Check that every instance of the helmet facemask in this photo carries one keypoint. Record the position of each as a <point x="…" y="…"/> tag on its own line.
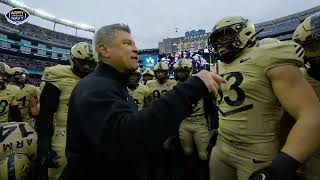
<point x="182" y="69"/>
<point x="312" y="58"/>
<point x="307" y="34"/>
<point x="147" y="77"/>
<point x="161" y="75"/>
<point x="3" y="77"/>
<point x="3" y="80"/>
<point x="226" y="42"/>
<point x="313" y="67"/>
<point x="133" y="81"/>
<point x="82" y="59"/>
<point x="161" y="71"/>
<point x="182" y="74"/>
<point x="20" y="78"/>
<point x="83" y="67"/>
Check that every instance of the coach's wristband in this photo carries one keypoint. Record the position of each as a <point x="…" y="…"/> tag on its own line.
<point x="285" y="165"/>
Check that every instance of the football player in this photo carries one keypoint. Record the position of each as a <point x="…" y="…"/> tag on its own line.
<point x="147" y="75"/>
<point x="260" y="82"/>
<point x="18" y="151"/>
<point x="182" y="69"/>
<point x="162" y="161"/>
<point x="307" y="35"/>
<point x="139" y="92"/>
<point x="193" y="130"/>
<point x="141" y="97"/>
<point x="51" y="125"/>
<point x="27" y="98"/>
<point x="8" y="97"/>
<point x="162" y="83"/>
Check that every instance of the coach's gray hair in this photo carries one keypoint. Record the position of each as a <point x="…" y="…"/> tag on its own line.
<point x="106" y="34"/>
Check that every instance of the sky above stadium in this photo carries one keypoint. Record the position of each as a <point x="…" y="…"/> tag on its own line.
<point x="153" y="20"/>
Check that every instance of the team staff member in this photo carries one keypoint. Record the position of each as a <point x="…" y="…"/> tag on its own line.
<point x="106" y="134"/>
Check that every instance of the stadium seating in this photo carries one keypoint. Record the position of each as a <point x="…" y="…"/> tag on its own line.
<point x="280" y="28"/>
<point x="32" y="65"/>
<point x="283" y="28"/>
<point x="39" y="33"/>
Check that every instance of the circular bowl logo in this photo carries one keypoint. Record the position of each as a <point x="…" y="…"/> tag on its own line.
<point x="17" y="16"/>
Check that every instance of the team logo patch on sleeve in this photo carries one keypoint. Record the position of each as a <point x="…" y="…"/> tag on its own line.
<point x="17" y="16"/>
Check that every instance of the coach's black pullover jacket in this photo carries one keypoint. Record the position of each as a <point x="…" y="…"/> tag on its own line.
<point x="106" y="134"/>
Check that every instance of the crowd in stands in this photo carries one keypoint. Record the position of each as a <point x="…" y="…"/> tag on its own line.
<point x="27" y="63"/>
<point x="32" y="65"/>
<point x="282" y="28"/>
<point x="200" y="60"/>
<point x="36" y="32"/>
<point x="35" y="79"/>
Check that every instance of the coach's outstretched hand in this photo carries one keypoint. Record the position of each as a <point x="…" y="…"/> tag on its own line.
<point x="211" y="80"/>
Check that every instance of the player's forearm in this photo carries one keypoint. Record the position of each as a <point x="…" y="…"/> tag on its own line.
<point x="34" y="106"/>
<point x="303" y="139"/>
<point x="34" y="110"/>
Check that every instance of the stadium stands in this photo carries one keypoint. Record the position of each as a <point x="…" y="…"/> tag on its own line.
<point x="35" y="48"/>
<point x="33" y="65"/>
<point x="282" y="28"/>
<point x="41" y="34"/>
